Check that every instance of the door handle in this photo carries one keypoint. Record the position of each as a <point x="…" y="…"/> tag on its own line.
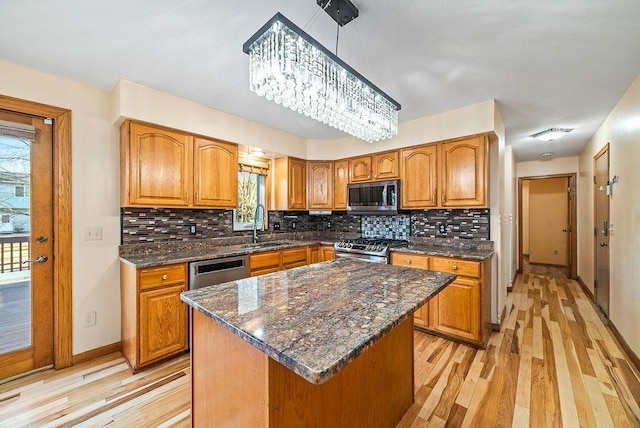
<point x="39" y="259"/>
<point x="603" y="244"/>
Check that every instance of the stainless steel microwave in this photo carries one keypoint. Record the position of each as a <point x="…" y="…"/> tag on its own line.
<point x="377" y="198"/>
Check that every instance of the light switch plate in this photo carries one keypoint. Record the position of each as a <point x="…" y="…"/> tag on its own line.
<point x="93" y="233"/>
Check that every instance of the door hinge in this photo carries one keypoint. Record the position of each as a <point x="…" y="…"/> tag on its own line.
<point x="48" y="121"/>
<point x="595" y="284"/>
<point x="594" y="180"/>
<point x="595" y="231"/>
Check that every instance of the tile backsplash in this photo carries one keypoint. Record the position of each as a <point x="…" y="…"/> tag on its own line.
<point x="172" y="224"/>
<point x="388" y="226"/>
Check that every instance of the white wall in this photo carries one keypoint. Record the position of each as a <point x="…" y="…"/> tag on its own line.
<point x="566" y="165"/>
<point x="621" y="130"/>
<point x="95" y="191"/>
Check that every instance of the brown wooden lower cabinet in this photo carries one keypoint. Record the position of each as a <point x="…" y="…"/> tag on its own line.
<point x="154" y="320"/>
<point x="462" y="310"/>
<point x="274" y="261"/>
<point x="327" y="253"/>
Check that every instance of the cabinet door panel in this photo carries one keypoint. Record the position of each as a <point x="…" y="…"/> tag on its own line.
<point x="320" y="185"/>
<point x="417" y="261"/>
<point x="340" y="180"/>
<point x="421" y="316"/>
<point x="294" y="257"/>
<point x="215" y="174"/>
<point x="297" y="184"/>
<point x="327" y="253"/>
<point x="159" y="166"/>
<point x="463" y="176"/>
<point x="271" y="259"/>
<point x="163" y="326"/>
<point x="360" y="169"/>
<point x="456" y="310"/>
<point x="385" y="166"/>
<point x="419" y="177"/>
<point x="162" y="275"/>
<point x="456" y="266"/>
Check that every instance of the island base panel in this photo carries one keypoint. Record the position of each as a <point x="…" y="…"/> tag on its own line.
<point x="235" y="384"/>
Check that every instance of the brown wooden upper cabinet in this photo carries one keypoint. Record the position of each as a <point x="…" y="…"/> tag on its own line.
<point x="320" y="185"/>
<point x="378" y="166"/>
<point x="419" y="178"/>
<point x="464" y="166"/>
<point x="291" y="184"/>
<point x="445" y="175"/>
<point x="215" y="173"/>
<point x="155" y="166"/>
<point x="168" y="168"/>
<point x="340" y="180"/>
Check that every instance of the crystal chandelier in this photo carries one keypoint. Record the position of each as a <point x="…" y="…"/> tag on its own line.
<point x="289" y="67"/>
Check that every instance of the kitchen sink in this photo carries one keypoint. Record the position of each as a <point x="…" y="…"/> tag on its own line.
<point x="266" y="244"/>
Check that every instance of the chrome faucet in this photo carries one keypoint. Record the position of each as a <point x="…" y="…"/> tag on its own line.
<point x="255" y="222"/>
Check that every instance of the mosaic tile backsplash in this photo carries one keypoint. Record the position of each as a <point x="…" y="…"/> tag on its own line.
<point x="458" y="223"/>
<point x="173" y="224"/>
<point x="388" y="226"/>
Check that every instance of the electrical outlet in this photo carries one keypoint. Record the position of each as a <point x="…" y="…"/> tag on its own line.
<point x="328" y="225"/>
<point x="90" y="319"/>
<point x="293" y="225"/>
<point x="442" y="228"/>
<point x="93" y="233"/>
<point x="555" y="252"/>
<point x="276" y="225"/>
<point x="192" y="229"/>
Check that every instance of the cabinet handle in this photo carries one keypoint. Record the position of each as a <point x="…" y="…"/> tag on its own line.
<point x="375" y="176"/>
<point x="444" y="199"/>
<point x="454" y="267"/>
<point x="196" y="197"/>
<point x="182" y="290"/>
<point x="186" y="196"/>
<point x="433" y="199"/>
<point x="165" y="277"/>
<point x="408" y="262"/>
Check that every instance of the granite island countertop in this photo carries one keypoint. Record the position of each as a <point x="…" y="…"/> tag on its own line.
<point x="316" y="319"/>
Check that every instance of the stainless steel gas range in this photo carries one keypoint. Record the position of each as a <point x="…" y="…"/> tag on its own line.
<point x="374" y="250"/>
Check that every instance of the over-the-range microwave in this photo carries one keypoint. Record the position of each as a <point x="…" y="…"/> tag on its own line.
<point x="377" y="198"/>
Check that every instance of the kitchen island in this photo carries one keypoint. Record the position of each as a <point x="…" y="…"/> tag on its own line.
<point x="329" y="344"/>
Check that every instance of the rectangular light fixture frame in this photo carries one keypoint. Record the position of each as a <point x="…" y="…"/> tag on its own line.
<point x="278" y="17"/>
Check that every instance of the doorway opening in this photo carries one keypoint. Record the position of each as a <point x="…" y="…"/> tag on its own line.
<point x="547" y="223"/>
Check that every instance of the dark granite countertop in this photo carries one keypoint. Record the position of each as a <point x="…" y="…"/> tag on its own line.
<point x="159" y="254"/>
<point x="439" y="250"/>
<point x="162" y="256"/>
<point x="316" y="319"/>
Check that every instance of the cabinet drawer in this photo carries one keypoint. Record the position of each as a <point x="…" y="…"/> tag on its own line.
<point x="264" y="260"/>
<point x="294" y="257"/>
<point x="410" y="260"/>
<point x="459" y="267"/>
<point x="159" y="276"/>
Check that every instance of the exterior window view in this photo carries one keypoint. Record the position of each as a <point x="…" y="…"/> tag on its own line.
<point x="15" y="289"/>
<point x="251" y="193"/>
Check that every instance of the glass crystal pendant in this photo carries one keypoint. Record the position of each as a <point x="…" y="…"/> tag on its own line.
<point x="289" y="67"/>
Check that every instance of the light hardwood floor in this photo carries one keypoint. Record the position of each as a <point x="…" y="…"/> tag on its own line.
<point x="553" y="364"/>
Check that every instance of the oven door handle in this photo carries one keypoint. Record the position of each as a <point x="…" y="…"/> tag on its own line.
<point x="384" y="197"/>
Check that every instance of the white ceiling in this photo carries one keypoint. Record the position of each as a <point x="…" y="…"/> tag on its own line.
<point x="549" y="63"/>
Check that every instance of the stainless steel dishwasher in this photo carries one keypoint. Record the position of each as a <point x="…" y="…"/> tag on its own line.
<point x="217" y="271"/>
